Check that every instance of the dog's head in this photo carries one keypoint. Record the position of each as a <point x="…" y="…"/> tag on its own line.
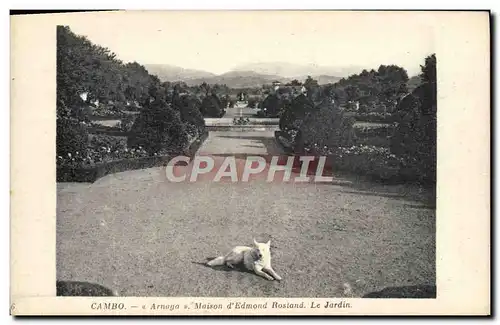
<point x="261" y="249"/>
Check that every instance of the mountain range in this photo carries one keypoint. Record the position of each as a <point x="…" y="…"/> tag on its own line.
<point x="253" y="74"/>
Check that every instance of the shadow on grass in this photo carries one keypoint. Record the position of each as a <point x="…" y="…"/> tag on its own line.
<point x="224" y="268"/>
<point x="419" y="291"/>
<point x="361" y="185"/>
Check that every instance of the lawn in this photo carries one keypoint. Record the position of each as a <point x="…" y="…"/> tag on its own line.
<point x="138" y="234"/>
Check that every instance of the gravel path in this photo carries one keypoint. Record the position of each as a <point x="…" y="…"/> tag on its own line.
<point x="143" y="236"/>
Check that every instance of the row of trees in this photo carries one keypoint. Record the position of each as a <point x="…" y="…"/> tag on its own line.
<point x="170" y="114"/>
<point x="315" y="119"/>
<point x="374" y="90"/>
<point x="83" y="67"/>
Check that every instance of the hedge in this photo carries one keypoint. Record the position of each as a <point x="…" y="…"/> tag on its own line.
<point x="94" y="172"/>
<point x="371" y="166"/>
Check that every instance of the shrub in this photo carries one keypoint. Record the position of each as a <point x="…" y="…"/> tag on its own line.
<point x="71" y="138"/>
<point x="113" y="143"/>
<point x="159" y="129"/>
<point x="189" y="108"/>
<point x="294" y="113"/>
<point x="211" y="106"/>
<point x="415" y="134"/>
<point x="271" y="105"/>
<point x="326" y="128"/>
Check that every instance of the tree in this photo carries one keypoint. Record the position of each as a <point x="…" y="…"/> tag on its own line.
<point x="428" y="76"/>
<point x="272" y="103"/>
<point x="325" y="127"/>
<point x="293" y="115"/>
<point x="415" y="135"/>
<point x="159" y="129"/>
<point x="211" y="106"/>
<point x="189" y="108"/>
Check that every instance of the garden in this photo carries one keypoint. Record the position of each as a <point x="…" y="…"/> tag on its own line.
<point x="165" y="119"/>
<point x="399" y="145"/>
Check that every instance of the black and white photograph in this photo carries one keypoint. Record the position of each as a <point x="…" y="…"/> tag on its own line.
<point x="130" y="102"/>
<point x="233" y="154"/>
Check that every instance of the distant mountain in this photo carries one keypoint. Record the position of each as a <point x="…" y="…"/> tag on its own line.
<point x="291" y="70"/>
<point x="174" y="73"/>
<point x="324" y="79"/>
<point x="254" y="75"/>
<point x="239" y="79"/>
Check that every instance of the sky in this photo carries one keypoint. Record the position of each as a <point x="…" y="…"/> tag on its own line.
<point x="219" y="41"/>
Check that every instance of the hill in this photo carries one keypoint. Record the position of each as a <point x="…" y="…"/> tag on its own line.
<point x="174" y="73"/>
<point x="243" y="78"/>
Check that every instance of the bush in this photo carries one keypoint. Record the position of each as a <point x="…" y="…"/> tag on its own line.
<point x="271" y="106"/>
<point x="326" y="128"/>
<point x="71" y="138"/>
<point x="211" y="106"/>
<point x="113" y="143"/>
<point x="159" y="129"/>
<point x="294" y="113"/>
<point x="415" y="134"/>
<point x="189" y="108"/>
<point x="372" y="161"/>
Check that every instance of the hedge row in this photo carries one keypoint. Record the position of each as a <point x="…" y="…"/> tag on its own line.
<point x="92" y="173"/>
<point x="372" y="165"/>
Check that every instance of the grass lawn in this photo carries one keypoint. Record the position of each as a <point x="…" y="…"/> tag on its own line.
<point x="141" y="236"/>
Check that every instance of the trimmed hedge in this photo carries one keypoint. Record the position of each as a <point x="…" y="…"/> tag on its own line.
<point x="91" y="173"/>
<point x="371" y="166"/>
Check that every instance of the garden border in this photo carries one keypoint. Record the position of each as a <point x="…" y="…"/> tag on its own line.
<point x="92" y="173"/>
<point x="401" y="176"/>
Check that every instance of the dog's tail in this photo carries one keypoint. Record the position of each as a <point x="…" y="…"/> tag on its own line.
<point x="217" y="261"/>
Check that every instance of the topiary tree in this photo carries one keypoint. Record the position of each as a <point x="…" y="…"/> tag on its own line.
<point x="272" y="105"/>
<point x="211" y="106"/>
<point x="415" y="134"/>
<point x="327" y="127"/>
<point x="295" y="113"/>
<point x="189" y="108"/>
<point x="71" y="136"/>
<point x="159" y="129"/>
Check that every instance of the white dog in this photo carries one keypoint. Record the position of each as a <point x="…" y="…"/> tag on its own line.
<point x="256" y="259"/>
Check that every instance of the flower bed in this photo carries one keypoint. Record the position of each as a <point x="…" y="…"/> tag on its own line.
<point x="101" y="161"/>
<point x="372" y="161"/>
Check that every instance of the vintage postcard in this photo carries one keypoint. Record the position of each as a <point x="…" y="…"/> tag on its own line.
<point x="250" y="163"/>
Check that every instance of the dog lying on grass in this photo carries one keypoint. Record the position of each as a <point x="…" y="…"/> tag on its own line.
<point x="256" y="259"/>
